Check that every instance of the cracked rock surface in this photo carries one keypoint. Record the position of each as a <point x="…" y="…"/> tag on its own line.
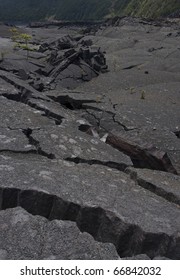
<point x="90" y="154"/>
<point x="47" y="239"/>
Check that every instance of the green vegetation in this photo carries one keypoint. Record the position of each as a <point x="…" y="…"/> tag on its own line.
<point x="21" y="40"/>
<point x="83" y="10"/>
<point x="15" y="34"/>
<point x="25" y="38"/>
<point x="152" y="8"/>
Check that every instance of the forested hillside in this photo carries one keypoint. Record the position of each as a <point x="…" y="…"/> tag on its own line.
<point x="28" y="10"/>
<point x="151" y="8"/>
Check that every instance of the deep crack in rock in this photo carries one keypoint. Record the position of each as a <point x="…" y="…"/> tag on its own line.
<point x="137" y="213"/>
<point x="104" y="226"/>
<point x="168" y="195"/>
<point x="24" y="99"/>
<point x="111" y="164"/>
<point x="121" y="124"/>
<point x="74" y="104"/>
<point x="71" y="103"/>
<point x="47" y="113"/>
<point x="28" y="133"/>
<point x="177" y="133"/>
<point x="142" y="157"/>
<point x="150" y="158"/>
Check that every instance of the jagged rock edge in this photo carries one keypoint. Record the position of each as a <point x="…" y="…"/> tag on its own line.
<point x="104" y="226"/>
<point x="47" y="113"/>
<point x="151" y="159"/>
<point x="168" y="195"/>
<point x="110" y="164"/>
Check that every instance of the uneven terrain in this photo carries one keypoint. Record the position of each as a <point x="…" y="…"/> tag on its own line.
<point x="89" y="142"/>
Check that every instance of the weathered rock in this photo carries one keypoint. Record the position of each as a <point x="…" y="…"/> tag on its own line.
<point x="21" y="116"/>
<point x="24" y="90"/>
<point x="43" y="47"/>
<point x="64" y="64"/>
<point x="50" y="167"/>
<point x="16" y="62"/>
<point x="52" y="57"/>
<point x="161" y="183"/>
<point x="65" y="43"/>
<point x="14" y="141"/>
<point x="118" y="211"/>
<point x="162" y="140"/>
<point x="33" y="237"/>
<point x="90" y="60"/>
<point x="149" y="157"/>
<point x="36" y="55"/>
<point x="69" y="143"/>
<point x="23" y="75"/>
<point x="46" y="70"/>
<point x="86" y="42"/>
<point x="38" y="85"/>
<point x="7" y="88"/>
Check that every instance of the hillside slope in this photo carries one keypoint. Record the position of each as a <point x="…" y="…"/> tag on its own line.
<point x="26" y="10"/>
<point x="152" y="8"/>
<point x="61" y="9"/>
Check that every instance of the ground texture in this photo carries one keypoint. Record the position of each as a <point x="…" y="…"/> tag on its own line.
<point x="89" y="142"/>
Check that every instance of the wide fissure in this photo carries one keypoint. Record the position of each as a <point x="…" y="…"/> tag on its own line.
<point x="103" y="225"/>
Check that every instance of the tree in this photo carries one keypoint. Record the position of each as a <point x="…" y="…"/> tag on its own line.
<point x="21" y="40"/>
<point x="15" y="34"/>
<point x="25" y="38"/>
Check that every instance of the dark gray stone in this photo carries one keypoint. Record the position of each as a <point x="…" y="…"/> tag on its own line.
<point x="63" y="144"/>
<point x="23" y="75"/>
<point x="24" y="236"/>
<point x="110" y="206"/>
<point x="162" y="183"/>
<point x="15" y="141"/>
<point x="21" y="116"/>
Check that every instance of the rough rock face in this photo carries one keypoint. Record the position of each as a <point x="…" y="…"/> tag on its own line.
<point x="98" y="164"/>
<point x="67" y="61"/>
<point x="47" y="240"/>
